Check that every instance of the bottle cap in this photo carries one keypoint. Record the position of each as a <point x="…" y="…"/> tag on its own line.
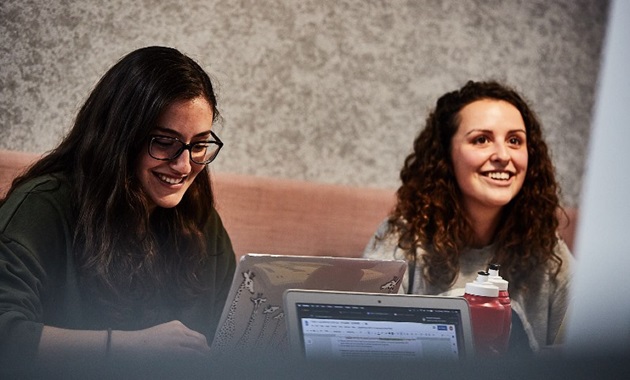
<point x="493" y="271"/>
<point x="482" y="287"/>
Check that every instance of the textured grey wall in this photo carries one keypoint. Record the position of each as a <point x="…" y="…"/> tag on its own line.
<point x="323" y="90"/>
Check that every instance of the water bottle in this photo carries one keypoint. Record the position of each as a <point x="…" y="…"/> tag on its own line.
<point x="504" y="298"/>
<point x="487" y="315"/>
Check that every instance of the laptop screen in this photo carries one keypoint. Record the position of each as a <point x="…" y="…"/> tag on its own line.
<point x="355" y="331"/>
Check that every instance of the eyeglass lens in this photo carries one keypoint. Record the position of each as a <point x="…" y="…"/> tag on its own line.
<point x="168" y="148"/>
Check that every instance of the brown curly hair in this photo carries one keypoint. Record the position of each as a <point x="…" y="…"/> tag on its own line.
<point x="429" y="212"/>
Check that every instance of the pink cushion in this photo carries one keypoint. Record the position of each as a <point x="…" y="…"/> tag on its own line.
<point x="13" y="163"/>
<point x="267" y="215"/>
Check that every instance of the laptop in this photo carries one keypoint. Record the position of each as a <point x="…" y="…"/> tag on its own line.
<point x="253" y="316"/>
<point x="331" y="325"/>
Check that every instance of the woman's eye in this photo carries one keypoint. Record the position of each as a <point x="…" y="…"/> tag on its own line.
<point x="200" y="147"/>
<point x="164" y="142"/>
<point x="480" y="140"/>
<point x="515" y="141"/>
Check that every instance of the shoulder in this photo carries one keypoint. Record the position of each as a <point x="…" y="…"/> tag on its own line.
<point x="562" y="250"/>
<point x="38" y="203"/>
<point x="48" y="184"/>
<point x="217" y="236"/>
<point x="554" y="275"/>
<point x="384" y="228"/>
<point x="214" y="224"/>
<point x="567" y="264"/>
<point x="384" y="243"/>
<point x="36" y="221"/>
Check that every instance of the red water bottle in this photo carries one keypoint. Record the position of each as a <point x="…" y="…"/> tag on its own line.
<point x="487" y="315"/>
<point x="504" y="298"/>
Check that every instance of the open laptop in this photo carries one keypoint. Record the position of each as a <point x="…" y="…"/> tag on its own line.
<point x="253" y="316"/>
<point x="360" y="326"/>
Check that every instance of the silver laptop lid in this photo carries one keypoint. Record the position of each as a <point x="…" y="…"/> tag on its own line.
<point x="253" y="318"/>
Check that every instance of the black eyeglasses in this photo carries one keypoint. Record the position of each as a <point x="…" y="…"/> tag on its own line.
<point x="165" y="148"/>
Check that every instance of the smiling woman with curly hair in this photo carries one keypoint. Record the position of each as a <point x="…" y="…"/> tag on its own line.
<point x="479" y="188"/>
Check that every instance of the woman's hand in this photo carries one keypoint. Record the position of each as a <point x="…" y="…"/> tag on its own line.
<point x="170" y="340"/>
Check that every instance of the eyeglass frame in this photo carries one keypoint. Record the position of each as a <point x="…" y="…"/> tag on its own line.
<point x="187" y="147"/>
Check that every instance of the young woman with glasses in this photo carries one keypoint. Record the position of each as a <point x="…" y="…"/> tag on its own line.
<point x="110" y="246"/>
<point x="479" y="188"/>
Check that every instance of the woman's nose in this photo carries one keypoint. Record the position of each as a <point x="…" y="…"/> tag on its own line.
<point x="501" y="153"/>
<point x="182" y="163"/>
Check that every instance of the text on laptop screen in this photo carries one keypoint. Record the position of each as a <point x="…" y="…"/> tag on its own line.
<point x="379" y="332"/>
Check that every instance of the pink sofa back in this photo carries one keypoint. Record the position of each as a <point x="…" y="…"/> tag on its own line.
<point x="278" y="216"/>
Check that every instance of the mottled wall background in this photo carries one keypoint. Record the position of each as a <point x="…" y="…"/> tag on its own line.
<point x="322" y="90"/>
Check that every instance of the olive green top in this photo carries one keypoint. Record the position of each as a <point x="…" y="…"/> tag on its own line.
<point x="39" y="283"/>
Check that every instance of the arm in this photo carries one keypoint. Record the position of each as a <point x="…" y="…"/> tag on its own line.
<point x="222" y="272"/>
<point x="165" y="341"/>
<point x="39" y="289"/>
<point x="560" y="299"/>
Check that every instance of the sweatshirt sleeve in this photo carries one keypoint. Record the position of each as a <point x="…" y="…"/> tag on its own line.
<point x="560" y="299"/>
<point x="20" y="306"/>
<point x="33" y="247"/>
<point x="227" y="263"/>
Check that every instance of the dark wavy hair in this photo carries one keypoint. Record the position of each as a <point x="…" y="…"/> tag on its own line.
<point x="122" y="252"/>
<point x="429" y="212"/>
